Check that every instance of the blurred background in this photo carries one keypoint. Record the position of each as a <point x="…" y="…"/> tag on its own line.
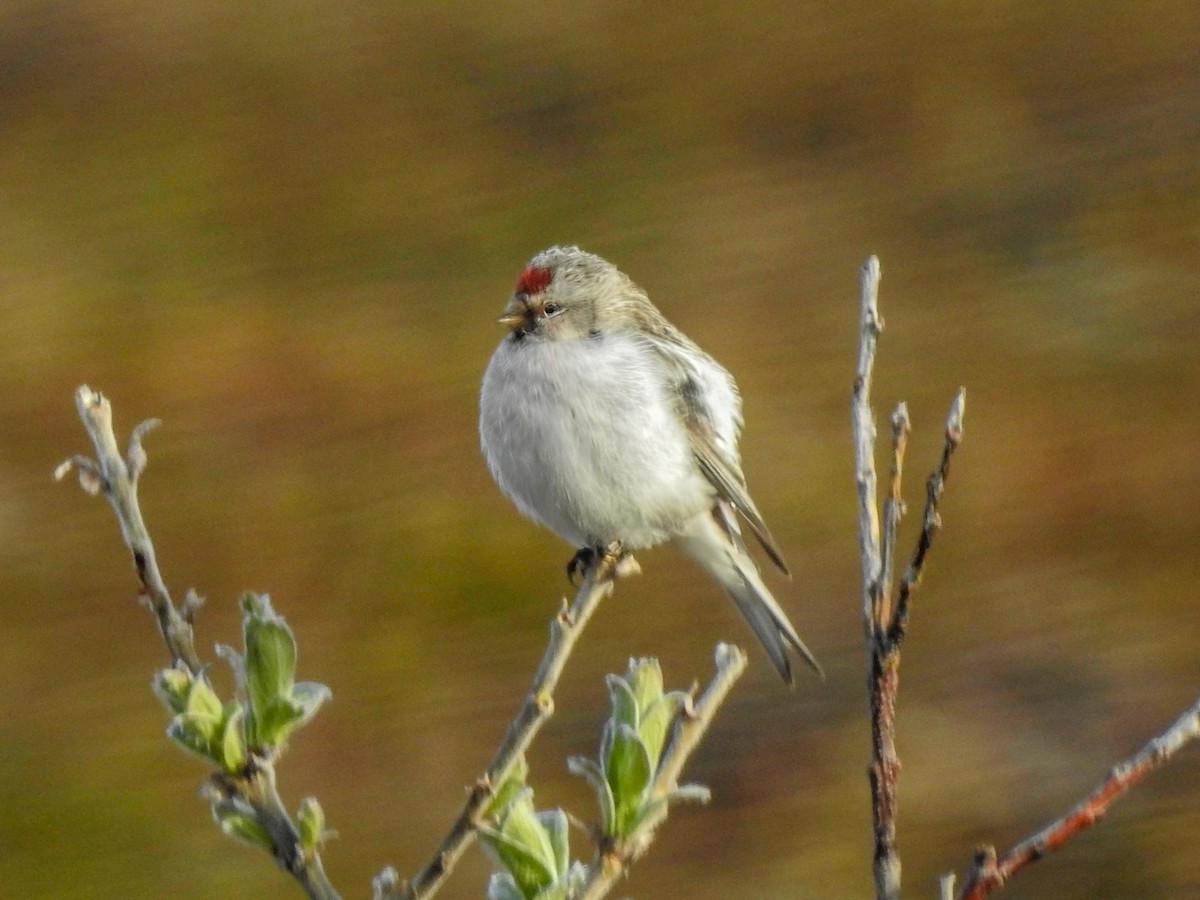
<point x="287" y="229"/>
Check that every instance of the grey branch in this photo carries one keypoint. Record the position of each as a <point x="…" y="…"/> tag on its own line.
<point x="613" y="862"/>
<point x="117" y="478"/>
<point x="537" y="707"/>
<point x="863" y="425"/>
<point x="884" y="623"/>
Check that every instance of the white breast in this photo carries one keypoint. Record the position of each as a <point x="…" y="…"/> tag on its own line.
<point x="582" y="436"/>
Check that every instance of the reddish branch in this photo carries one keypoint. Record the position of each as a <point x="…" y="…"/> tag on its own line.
<point x="989" y="873"/>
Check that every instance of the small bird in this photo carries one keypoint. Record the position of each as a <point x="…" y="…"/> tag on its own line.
<point x="604" y="422"/>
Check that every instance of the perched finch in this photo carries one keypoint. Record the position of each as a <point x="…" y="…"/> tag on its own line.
<point x="603" y="422"/>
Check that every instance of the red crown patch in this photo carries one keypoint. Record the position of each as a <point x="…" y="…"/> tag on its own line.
<point x="533" y="280"/>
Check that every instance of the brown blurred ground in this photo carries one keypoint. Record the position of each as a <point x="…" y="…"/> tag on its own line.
<point x="287" y="230"/>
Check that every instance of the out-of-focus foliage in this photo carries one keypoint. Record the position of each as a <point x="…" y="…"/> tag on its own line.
<point x="287" y="229"/>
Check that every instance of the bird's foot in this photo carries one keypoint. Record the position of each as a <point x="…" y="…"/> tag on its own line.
<point x="581" y="562"/>
<point x="619" y="562"/>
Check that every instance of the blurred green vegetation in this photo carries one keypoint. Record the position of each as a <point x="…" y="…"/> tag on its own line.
<point x="287" y="229"/>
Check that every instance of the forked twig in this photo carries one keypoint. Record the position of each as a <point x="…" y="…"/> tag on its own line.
<point x="884" y="623"/>
<point x="537" y="707"/>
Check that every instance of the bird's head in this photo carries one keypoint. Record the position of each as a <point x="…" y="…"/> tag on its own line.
<point x="564" y="294"/>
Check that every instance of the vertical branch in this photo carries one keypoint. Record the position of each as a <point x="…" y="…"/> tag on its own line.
<point x="882" y="681"/>
<point x="893" y="510"/>
<point x="883" y="623"/>
<point x="863" y="425"/>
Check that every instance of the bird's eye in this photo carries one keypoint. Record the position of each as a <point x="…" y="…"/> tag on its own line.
<point x="551" y="309"/>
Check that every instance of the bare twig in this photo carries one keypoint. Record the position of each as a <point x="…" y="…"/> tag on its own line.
<point x="989" y="873"/>
<point x="863" y="423"/>
<point x="893" y="510"/>
<point x="537" y="707"/>
<point x="614" y="861"/>
<point x="883" y="623"/>
<point x="931" y="521"/>
<point x="117" y="479"/>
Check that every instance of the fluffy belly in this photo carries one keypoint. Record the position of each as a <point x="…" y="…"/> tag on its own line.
<point x="583" y="439"/>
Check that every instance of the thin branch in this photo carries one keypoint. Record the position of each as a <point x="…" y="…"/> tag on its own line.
<point x="884" y="684"/>
<point x="931" y="521"/>
<point x="614" y="861"/>
<point x="537" y="707"/>
<point x="257" y="790"/>
<point x="884" y="625"/>
<point x="893" y="510"/>
<point x="863" y="425"/>
<point x="117" y="479"/>
<point x="989" y="873"/>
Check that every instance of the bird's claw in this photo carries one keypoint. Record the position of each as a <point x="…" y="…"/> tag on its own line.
<point x="620" y="562"/>
<point x="584" y="559"/>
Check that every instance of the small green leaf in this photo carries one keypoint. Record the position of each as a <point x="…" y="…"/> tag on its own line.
<point x="204" y="724"/>
<point x="554" y="822"/>
<point x="590" y="769"/>
<point x="242" y="826"/>
<point x="311" y="819"/>
<point x="171" y="686"/>
<point x="628" y="770"/>
<point x="656" y="722"/>
<point x="508" y="789"/>
<point x="309" y="696"/>
<point x="279" y="721"/>
<point x="685" y="793"/>
<point x="270" y="663"/>
<point x="235" y="662"/>
<point x="521" y="825"/>
<point x="233" y="747"/>
<point x="645" y="679"/>
<point x="529" y="869"/>
<point x="183" y="730"/>
<point x="624" y="703"/>
<point x="203" y="701"/>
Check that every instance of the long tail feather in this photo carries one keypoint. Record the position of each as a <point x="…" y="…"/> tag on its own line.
<point x="715" y="544"/>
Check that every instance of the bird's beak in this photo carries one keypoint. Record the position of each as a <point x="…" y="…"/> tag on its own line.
<point x="515" y="313"/>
